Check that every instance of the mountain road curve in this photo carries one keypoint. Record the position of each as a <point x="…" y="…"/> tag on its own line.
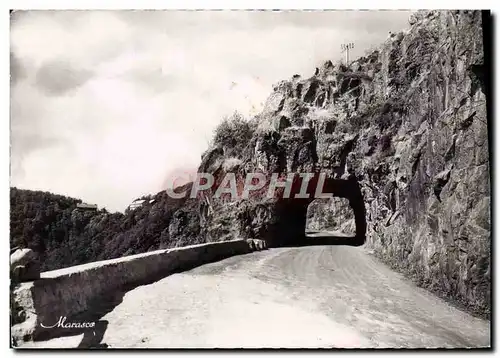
<point x="295" y="297"/>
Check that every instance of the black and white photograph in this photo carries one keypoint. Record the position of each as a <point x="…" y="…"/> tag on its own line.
<point x="250" y="179"/>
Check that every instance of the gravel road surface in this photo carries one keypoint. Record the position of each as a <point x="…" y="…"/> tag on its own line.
<point x="300" y="297"/>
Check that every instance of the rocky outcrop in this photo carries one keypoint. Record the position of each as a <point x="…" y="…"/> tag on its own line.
<point x="408" y="124"/>
<point x="24" y="265"/>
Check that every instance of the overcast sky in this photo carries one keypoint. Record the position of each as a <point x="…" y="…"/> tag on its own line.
<point x="106" y="104"/>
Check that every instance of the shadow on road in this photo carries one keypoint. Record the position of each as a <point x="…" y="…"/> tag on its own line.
<point x="93" y="339"/>
<point x="93" y="336"/>
<point x="102" y="305"/>
<point x="325" y="238"/>
<point x="98" y="308"/>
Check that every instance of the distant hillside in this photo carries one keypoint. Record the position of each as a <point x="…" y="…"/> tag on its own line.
<point x="52" y="225"/>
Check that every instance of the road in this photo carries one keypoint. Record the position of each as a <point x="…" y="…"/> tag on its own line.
<point x="299" y="297"/>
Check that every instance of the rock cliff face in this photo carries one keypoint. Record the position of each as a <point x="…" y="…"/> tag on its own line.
<point x="407" y="123"/>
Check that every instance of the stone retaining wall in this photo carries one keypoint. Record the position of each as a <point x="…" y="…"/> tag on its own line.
<point x="74" y="291"/>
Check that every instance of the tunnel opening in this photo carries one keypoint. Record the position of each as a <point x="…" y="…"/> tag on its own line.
<point x="330" y="216"/>
<point x="291" y="227"/>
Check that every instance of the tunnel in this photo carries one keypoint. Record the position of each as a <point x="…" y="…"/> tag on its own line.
<point x="291" y="214"/>
<point x="333" y="215"/>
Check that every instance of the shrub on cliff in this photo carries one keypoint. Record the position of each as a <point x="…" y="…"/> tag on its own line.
<point x="234" y="133"/>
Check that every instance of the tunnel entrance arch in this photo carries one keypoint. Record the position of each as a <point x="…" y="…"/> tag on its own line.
<point x="290" y="226"/>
